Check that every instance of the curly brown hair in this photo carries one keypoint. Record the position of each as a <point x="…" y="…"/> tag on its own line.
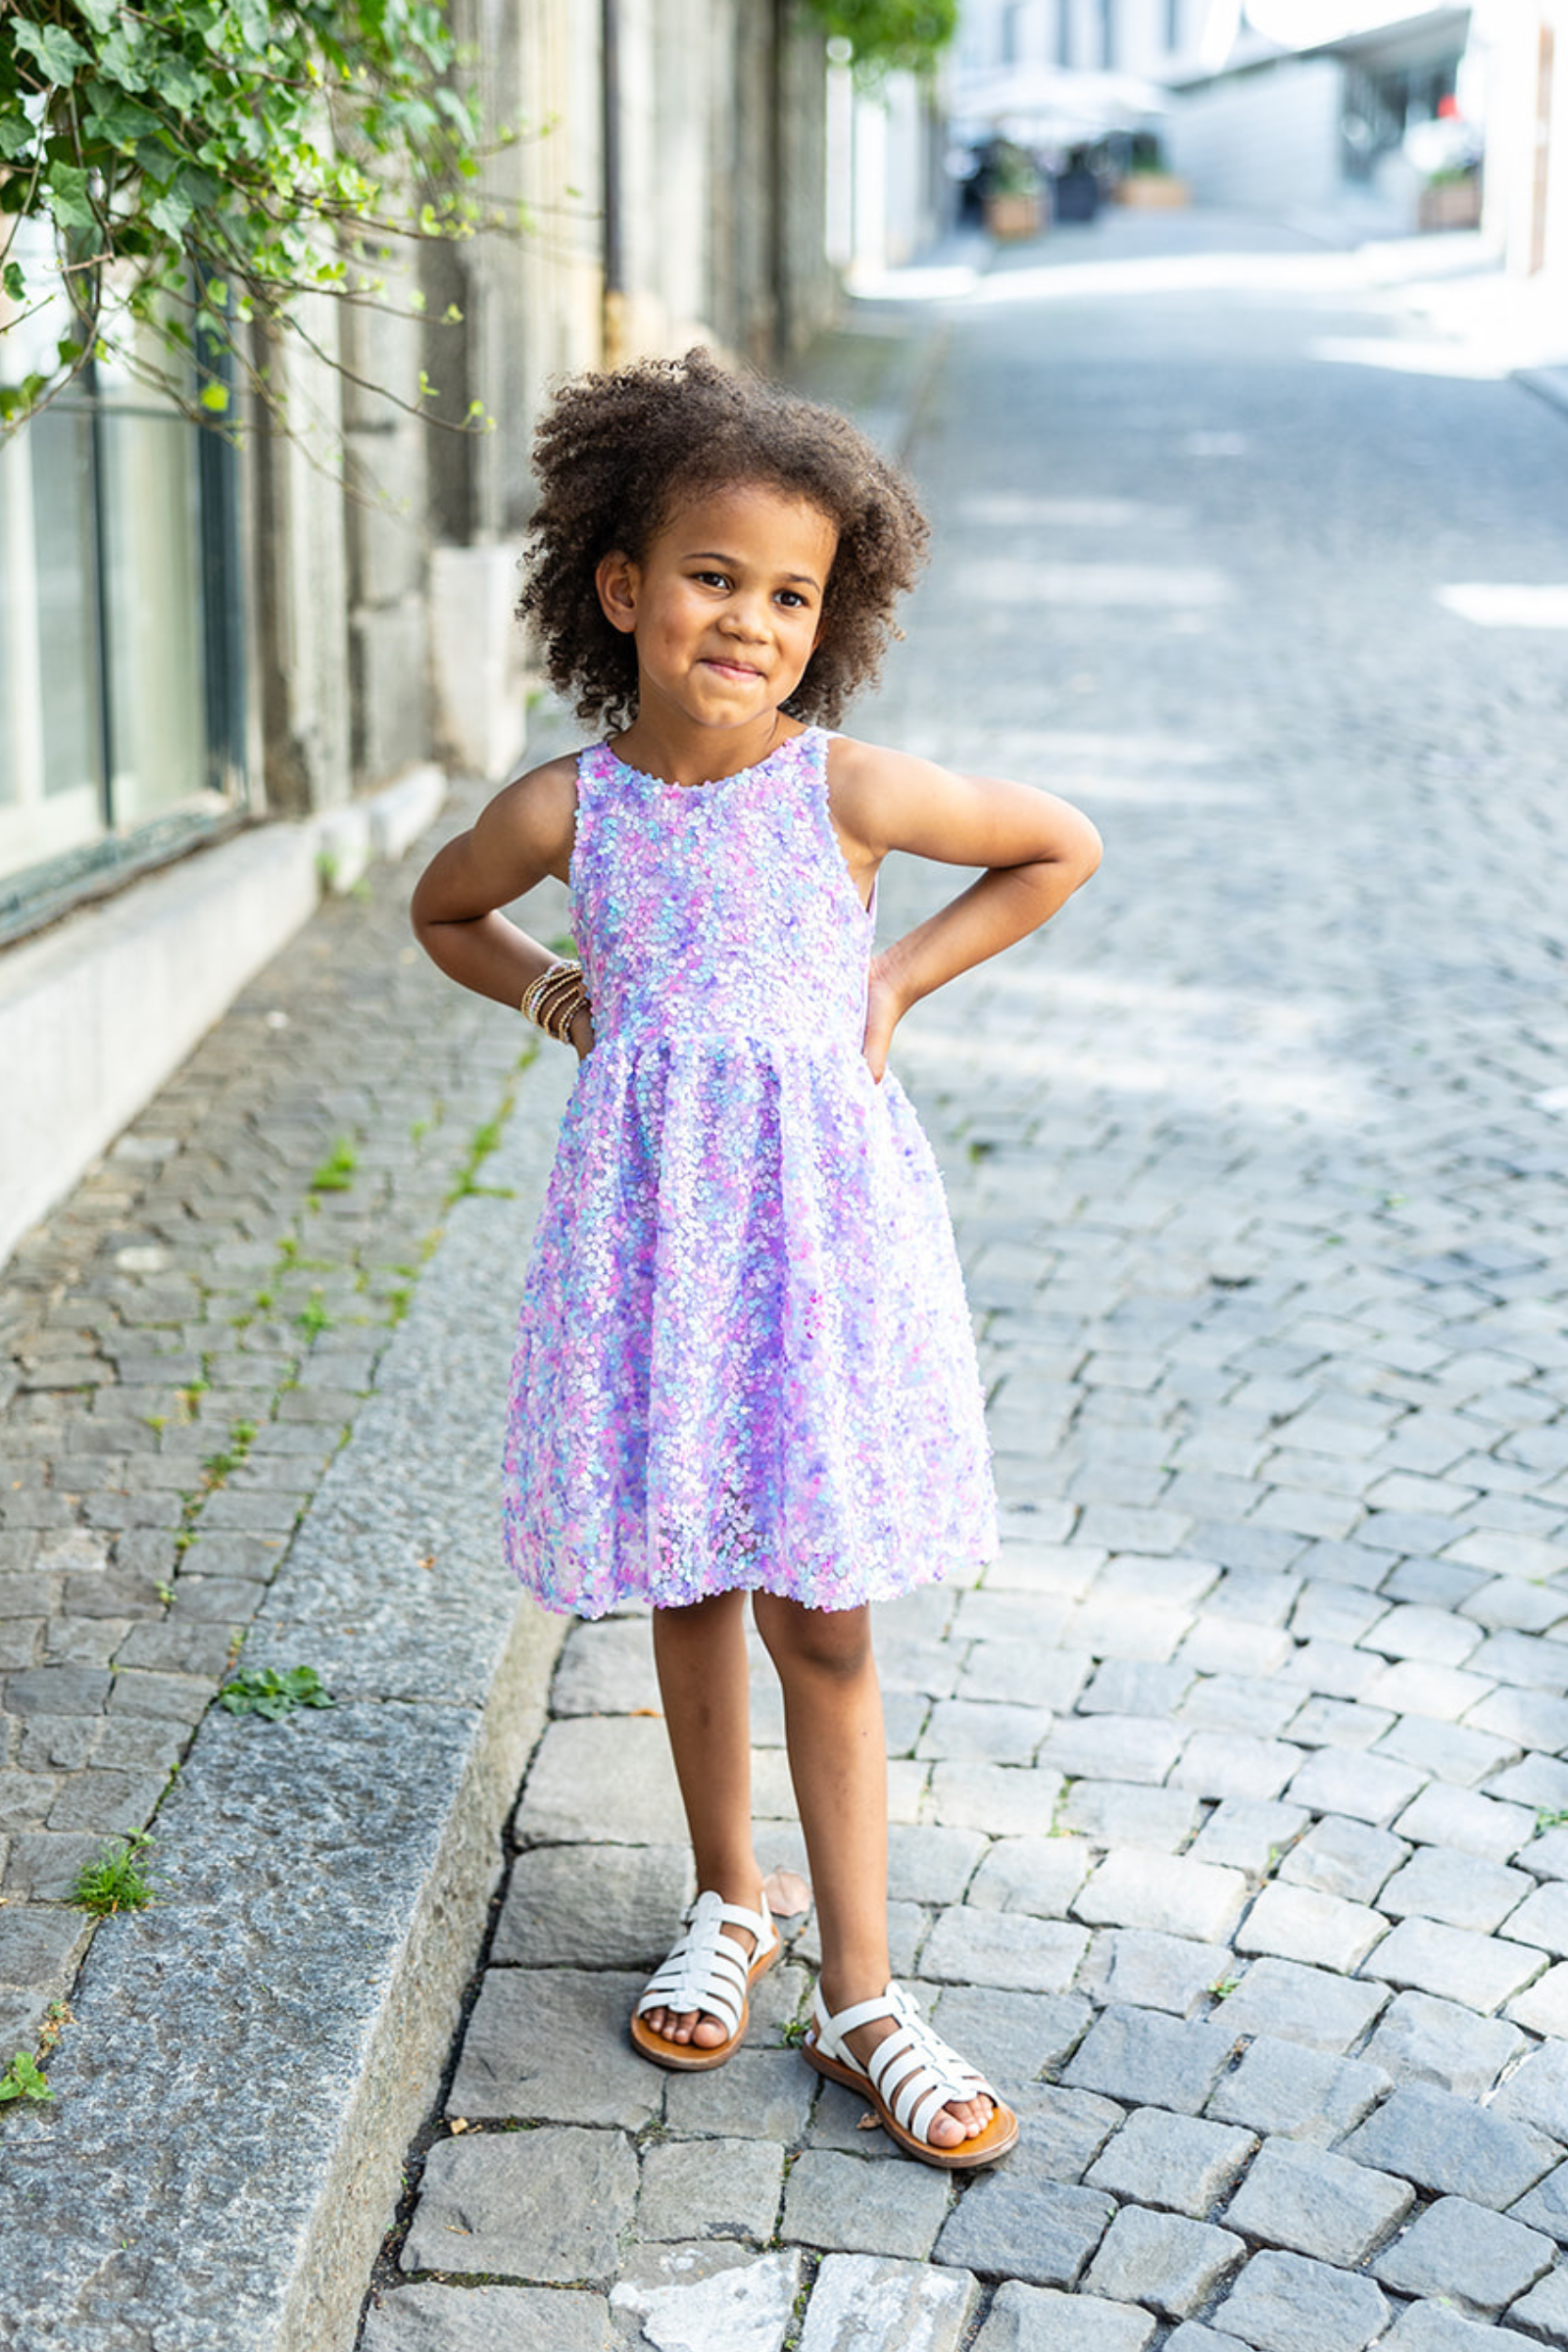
<point x="619" y="452"/>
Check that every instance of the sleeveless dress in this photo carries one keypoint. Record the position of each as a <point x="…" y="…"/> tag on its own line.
<point x="744" y="1356"/>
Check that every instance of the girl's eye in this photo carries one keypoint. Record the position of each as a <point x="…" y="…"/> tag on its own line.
<point x="791" y="596"/>
<point x="714" y="580"/>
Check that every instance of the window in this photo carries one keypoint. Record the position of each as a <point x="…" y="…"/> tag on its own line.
<point x="121" y="722"/>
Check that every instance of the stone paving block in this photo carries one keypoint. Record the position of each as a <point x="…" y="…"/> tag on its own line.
<point x="1113" y="1813"/>
<point x="1039" y="1874"/>
<point x="1014" y="2222"/>
<point x="1458" y="1890"/>
<point x="1436" y="2327"/>
<point x="1163" y="2258"/>
<point x="1514" y="1604"/>
<point x="579" y="1789"/>
<point x="1013" y="1670"/>
<point x="1141" y="1970"/>
<point x="1366" y="1788"/>
<point x="1533" y="1718"/>
<point x="1546" y="1855"/>
<point x="1449" y="2145"/>
<point x="1151" y="2060"/>
<point x="984" y="1732"/>
<point x="1297" y="1922"/>
<point x="1244" y="1835"/>
<point x="1446" y="1751"/>
<point x="592" y="1906"/>
<point x="881" y="2306"/>
<point x="1474" y="1822"/>
<point x="1420" y="2039"/>
<point x="1343" y="1858"/>
<point x="1253" y="1705"/>
<point x="1302" y="2005"/>
<point x="1134" y="1686"/>
<point x="1540" y="1783"/>
<point x="1061" y="2132"/>
<point x="678" y="2297"/>
<point x="1523" y="1659"/>
<point x="1467" y="2255"/>
<point x="606" y="1669"/>
<point x="1010" y="2036"/>
<point x="1536" y="2092"/>
<point x="1544" y="2312"/>
<point x="1542" y="1919"/>
<point x="1220" y="1764"/>
<point x="696" y="2188"/>
<point x="1416" y="1687"/>
<point x="426" y="2317"/>
<point x="1031" y="2319"/>
<point x="933" y="1865"/>
<point x="1007" y="1948"/>
<point x="1004" y="1800"/>
<point x="1166" y="1893"/>
<point x="1111" y="1747"/>
<point x="1191" y="2338"/>
<point x="1234" y="1645"/>
<point x="1284" y="2090"/>
<point x="1175" y="2161"/>
<point x="865" y="2205"/>
<point x="1298" y="2196"/>
<point x="1288" y="2303"/>
<point x="547" y="2206"/>
<point x="1434" y="1637"/>
<point x="44" y="1865"/>
<point x="549" y="2046"/>
<point x="759" y="2095"/>
<point x="1333" y="1669"/>
<point x="1545" y="2208"/>
<point x="1480" y="1971"/>
<point x="1542" y="2006"/>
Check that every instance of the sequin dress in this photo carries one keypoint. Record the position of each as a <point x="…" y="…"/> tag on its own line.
<point x="744" y="1356"/>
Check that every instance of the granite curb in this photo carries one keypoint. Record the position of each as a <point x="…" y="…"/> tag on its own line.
<point x="259" y="2045"/>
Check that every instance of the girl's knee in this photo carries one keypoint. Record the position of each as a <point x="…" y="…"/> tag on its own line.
<point x="835" y="1641"/>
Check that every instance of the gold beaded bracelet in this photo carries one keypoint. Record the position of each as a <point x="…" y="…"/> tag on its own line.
<point x="554" y="999"/>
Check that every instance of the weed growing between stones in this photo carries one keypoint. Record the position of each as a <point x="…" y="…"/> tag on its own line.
<point x="23" y="2079"/>
<point x="272" y="1694"/>
<point x="114" y="1882"/>
<point x="336" y="1171"/>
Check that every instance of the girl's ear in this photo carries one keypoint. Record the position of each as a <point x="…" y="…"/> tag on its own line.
<point x="615" y="577"/>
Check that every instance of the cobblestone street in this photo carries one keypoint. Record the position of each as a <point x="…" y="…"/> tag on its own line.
<point x="1230" y="1808"/>
<point x="1229" y="1804"/>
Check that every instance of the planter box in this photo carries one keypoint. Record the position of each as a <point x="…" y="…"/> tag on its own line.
<point x="1451" y="204"/>
<point x="1014" y="215"/>
<point x="1155" y="191"/>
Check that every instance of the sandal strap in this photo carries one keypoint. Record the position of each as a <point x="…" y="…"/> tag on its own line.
<point x="707" y="1970"/>
<point x="912" y="2071"/>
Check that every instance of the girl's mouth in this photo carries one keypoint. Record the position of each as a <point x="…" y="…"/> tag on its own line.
<point x="731" y="669"/>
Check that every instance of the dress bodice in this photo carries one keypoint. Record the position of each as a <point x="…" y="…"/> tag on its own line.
<point x="721" y="909"/>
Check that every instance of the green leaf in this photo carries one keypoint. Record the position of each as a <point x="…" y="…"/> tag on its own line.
<point x="58" y="56"/>
<point x="214" y="396"/>
<point x="68" y="196"/>
<point x="100" y="14"/>
<point x="16" y="285"/>
<point x="170" y="212"/>
<point x="114" y="117"/>
<point x="15" y="133"/>
<point x="23" y="2079"/>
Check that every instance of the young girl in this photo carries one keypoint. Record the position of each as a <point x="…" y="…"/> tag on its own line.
<point x="745" y="1362"/>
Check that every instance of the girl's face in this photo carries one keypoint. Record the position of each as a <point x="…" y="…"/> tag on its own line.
<point x="726" y="605"/>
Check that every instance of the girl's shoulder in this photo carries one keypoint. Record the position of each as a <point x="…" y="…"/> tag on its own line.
<point x="868" y="783"/>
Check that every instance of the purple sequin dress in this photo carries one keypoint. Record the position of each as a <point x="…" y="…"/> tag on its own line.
<point x="744" y="1356"/>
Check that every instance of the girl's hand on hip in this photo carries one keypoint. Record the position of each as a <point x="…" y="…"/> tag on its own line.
<point x="581" y="1034"/>
<point x="884" y="1009"/>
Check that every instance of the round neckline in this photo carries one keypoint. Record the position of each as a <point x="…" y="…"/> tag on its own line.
<point x="643" y="775"/>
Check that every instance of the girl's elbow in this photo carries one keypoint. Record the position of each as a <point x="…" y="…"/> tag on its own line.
<point x="1091" y="850"/>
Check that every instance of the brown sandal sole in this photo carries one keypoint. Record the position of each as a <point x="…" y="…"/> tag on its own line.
<point x="689" y="2058"/>
<point x="998" y="2135"/>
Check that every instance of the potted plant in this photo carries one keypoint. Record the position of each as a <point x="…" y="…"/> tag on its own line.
<point x="1013" y="203"/>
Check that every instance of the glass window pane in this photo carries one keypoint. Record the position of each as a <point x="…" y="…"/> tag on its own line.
<point x="68" y="620"/>
<point x="159" y="719"/>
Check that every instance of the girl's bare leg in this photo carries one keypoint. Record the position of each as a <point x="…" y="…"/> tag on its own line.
<point x="838" y="1763"/>
<point x="699" y="1653"/>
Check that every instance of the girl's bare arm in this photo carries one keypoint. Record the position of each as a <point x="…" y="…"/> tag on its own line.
<point x="518" y="838"/>
<point x="1036" y="850"/>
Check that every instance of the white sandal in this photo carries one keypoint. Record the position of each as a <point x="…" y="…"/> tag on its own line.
<point x="707" y="1971"/>
<point x="911" y="2076"/>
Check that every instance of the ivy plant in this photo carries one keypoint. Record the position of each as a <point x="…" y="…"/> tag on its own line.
<point x="188" y="166"/>
<point x="890" y="35"/>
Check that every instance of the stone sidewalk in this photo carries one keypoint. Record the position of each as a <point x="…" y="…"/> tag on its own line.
<point x="1231" y="1823"/>
<point x="187" y="1342"/>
